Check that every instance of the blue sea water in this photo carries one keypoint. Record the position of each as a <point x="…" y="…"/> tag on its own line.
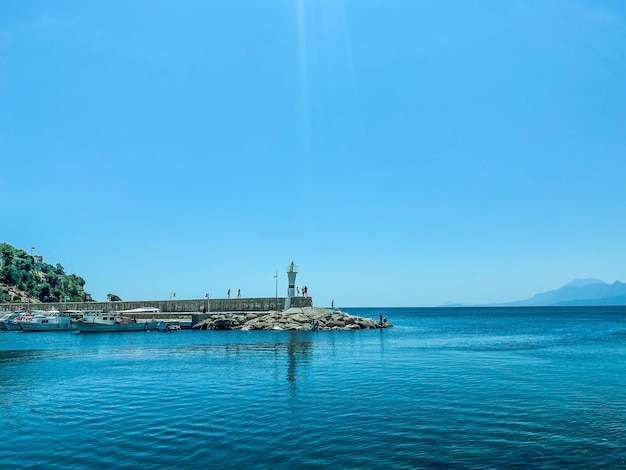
<point x="453" y="388"/>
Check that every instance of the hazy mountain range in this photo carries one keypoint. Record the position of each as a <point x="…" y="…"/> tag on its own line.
<point x="579" y="292"/>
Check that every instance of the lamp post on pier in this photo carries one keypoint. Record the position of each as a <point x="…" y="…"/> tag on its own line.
<point x="276" y="277"/>
<point x="208" y="303"/>
<point x="32" y="248"/>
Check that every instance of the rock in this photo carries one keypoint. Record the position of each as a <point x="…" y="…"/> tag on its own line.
<point x="300" y="317"/>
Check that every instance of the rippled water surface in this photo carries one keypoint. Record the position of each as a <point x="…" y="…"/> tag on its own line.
<point x="459" y="388"/>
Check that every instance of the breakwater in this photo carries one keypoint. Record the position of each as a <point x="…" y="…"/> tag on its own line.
<point x="251" y="304"/>
<point x="295" y="318"/>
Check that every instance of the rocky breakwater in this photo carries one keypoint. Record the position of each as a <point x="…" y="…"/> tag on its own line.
<point x="301" y="318"/>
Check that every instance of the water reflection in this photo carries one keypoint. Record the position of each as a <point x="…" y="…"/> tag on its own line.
<point x="285" y="353"/>
<point x="294" y="352"/>
<point x="383" y="334"/>
<point x="298" y="350"/>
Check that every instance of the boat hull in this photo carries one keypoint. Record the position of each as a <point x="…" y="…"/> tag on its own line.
<point x="13" y="326"/>
<point x="47" y="327"/>
<point x="86" y="327"/>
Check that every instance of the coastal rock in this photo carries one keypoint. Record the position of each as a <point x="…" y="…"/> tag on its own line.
<point x="299" y="318"/>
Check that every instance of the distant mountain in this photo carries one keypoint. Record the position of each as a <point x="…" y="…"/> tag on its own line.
<point x="579" y="292"/>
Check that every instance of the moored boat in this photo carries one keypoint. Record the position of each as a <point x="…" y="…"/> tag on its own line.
<point x="52" y="320"/>
<point x="140" y="310"/>
<point x="123" y="320"/>
<point x="170" y="325"/>
<point x="8" y="321"/>
<point x="13" y="324"/>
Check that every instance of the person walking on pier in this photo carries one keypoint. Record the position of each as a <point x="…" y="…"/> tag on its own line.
<point x="239" y="293"/>
<point x="228" y="293"/>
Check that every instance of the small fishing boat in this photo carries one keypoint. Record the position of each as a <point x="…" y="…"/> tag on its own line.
<point x="10" y="320"/>
<point x="13" y="323"/>
<point x="171" y="325"/>
<point x="123" y="320"/>
<point x="51" y="320"/>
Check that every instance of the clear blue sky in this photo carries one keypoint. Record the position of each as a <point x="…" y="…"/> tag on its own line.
<point x="401" y="153"/>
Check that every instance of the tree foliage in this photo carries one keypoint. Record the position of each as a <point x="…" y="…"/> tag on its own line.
<point x="24" y="274"/>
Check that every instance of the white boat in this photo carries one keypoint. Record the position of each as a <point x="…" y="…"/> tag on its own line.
<point x="123" y="320"/>
<point x="52" y="320"/>
<point x="12" y="324"/>
<point x="8" y="320"/>
<point x="171" y="325"/>
<point x="135" y="311"/>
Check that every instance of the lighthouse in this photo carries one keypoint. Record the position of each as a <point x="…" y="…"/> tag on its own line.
<point x="292" y="270"/>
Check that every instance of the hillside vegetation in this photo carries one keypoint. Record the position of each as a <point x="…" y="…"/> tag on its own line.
<point x="24" y="277"/>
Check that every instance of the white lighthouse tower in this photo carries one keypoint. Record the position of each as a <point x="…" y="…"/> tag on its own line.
<point x="292" y="270"/>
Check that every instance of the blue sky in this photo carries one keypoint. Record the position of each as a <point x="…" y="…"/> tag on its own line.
<point x="401" y="153"/>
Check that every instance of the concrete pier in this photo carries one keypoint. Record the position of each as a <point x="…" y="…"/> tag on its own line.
<point x="173" y="309"/>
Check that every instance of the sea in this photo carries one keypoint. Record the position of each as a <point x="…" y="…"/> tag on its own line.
<point x="459" y="388"/>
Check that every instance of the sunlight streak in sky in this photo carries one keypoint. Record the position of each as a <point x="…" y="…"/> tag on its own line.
<point x="328" y="88"/>
<point x="304" y="81"/>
